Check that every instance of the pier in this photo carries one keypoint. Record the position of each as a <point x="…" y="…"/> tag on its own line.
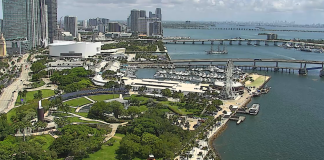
<point x="239" y="119"/>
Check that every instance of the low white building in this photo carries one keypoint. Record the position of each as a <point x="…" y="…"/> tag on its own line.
<point x="72" y="49"/>
<point x="153" y="84"/>
<point x="98" y="80"/>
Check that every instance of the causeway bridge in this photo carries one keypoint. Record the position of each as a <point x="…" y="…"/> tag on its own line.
<point x="276" y="65"/>
<point x="238" y="41"/>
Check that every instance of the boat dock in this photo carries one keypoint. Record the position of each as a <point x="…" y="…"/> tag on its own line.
<point x="239" y="119"/>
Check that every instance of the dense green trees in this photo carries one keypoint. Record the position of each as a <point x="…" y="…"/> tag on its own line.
<point x="78" y="141"/>
<point x="72" y="80"/>
<point x="100" y="109"/>
<point x="112" y="84"/>
<point x="5" y="128"/>
<point x="37" y="67"/>
<point x="13" y="148"/>
<point x="134" y="46"/>
<point x="166" y="92"/>
<point x="152" y="133"/>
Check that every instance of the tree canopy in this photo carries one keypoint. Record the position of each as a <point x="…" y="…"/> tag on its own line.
<point x="152" y="133"/>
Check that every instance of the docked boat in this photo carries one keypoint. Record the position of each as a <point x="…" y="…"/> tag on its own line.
<point x="256" y="94"/>
<point x="224" y="51"/>
<point x="254" y="110"/>
<point x="305" y="49"/>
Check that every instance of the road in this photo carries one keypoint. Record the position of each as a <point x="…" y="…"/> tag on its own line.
<point x="10" y="94"/>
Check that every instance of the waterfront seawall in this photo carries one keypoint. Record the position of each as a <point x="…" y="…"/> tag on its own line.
<point x="222" y="129"/>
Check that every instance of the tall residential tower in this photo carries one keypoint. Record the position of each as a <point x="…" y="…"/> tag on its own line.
<point x="71" y="25"/>
<point x="22" y="19"/>
<point x="52" y="19"/>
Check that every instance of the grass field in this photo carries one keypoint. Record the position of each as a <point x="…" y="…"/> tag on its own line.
<point x="30" y="95"/>
<point x="77" y="102"/>
<point x="103" y="97"/>
<point x="10" y="114"/>
<point x="257" y="83"/>
<point x="107" y="152"/>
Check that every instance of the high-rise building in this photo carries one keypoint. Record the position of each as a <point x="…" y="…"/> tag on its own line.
<point x="158" y="13"/>
<point x="71" y="25"/>
<point x="135" y="14"/>
<point x="44" y="23"/>
<point x="114" y="27"/>
<point x="104" y="21"/>
<point x="23" y="19"/>
<point x="142" y="13"/>
<point x="52" y="19"/>
<point x="93" y="22"/>
<point x="157" y="28"/>
<point x="129" y="22"/>
<point x="85" y="24"/>
<point x="150" y="14"/>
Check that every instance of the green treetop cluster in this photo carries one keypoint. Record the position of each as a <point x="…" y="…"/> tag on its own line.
<point x="72" y="80"/>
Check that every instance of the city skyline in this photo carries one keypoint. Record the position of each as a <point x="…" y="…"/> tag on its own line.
<point x="302" y="11"/>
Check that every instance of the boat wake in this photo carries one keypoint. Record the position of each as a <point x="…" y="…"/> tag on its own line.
<point x="291" y="58"/>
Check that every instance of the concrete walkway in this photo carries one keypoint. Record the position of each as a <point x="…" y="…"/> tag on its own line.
<point x="86" y="97"/>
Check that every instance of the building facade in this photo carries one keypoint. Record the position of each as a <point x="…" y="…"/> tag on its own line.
<point x="71" y="25"/>
<point x="114" y="27"/>
<point x="25" y="23"/>
<point x="142" y="13"/>
<point x="52" y="19"/>
<point x="158" y="13"/>
<point x="71" y="49"/>
<point x="135" y="14"/>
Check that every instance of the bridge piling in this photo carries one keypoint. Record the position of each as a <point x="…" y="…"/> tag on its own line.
<point x="230" y="42"/>
<point x="203" y="42"/>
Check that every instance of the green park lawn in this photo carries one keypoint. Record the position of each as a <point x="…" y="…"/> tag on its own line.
<point x="30" y="95"/>
<point x="103" y="97"/>
<point x="107" y="152"/>
<point x="257" y="83"/>
<point x="77" y="102"/>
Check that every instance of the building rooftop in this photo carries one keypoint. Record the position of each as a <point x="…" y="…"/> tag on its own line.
<point x="63" y="43"/>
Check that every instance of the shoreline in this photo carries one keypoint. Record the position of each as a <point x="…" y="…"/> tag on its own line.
<point x="223" y="126"/>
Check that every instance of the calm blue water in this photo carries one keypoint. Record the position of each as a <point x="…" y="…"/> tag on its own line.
<point x="290" y="122"/>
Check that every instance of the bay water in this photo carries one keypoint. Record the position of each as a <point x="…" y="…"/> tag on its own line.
<point x="290" y="124"/>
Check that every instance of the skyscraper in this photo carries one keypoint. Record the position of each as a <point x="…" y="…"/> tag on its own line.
<point x="135" y="14"/>
<point x="158" y="13"/>
<point x="150" y="14"/>
<point x="22" y="19"/>
<point x="71" y="25"/>
<point x="142" y="13"/>
<point x="52" y="19"/>
<point x="114" y="27"/>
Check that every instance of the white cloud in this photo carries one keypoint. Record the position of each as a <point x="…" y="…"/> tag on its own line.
<point x="120" y="9"/>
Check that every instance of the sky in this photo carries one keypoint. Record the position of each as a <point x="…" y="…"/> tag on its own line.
<point x="300" y="11"/>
